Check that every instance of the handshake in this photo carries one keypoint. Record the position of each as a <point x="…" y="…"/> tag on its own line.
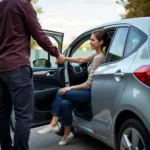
<point x="60" y="59"/>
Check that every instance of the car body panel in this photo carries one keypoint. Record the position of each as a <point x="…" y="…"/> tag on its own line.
<point x="136" y="94"/>
<point x="106" y="92"/>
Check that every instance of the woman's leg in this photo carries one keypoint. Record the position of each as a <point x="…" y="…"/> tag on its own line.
<point x="56" y="109"/>
<point x="56" y="114"/>
<point x="71" y="98"/>
<point x="78" y="96"/>
<point x="66" y="109"/>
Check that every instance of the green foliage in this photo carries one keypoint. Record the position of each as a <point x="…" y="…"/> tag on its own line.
<point x="135" y="8"/>
<point x="38" y="10"/>
<point x="85" y="46"/>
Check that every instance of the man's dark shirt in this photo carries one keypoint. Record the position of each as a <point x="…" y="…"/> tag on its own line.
<point x="18" y="22"/>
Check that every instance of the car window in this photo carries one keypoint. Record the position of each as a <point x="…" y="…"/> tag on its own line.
<point x="117" y="47"/>
<point x="136" y="38"/>
<point x="38" y="53"/>
<point x="84" y="49"/>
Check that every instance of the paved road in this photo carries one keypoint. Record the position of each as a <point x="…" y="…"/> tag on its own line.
<point x="81" y="141"/>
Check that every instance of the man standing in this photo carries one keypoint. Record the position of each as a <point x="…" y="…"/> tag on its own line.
<point x="18" y="22"/>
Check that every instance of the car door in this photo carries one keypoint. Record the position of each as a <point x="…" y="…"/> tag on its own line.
<point x="47" y="79"/>
<point x="109" y="83"/>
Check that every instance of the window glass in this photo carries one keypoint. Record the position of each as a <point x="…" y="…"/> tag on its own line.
<point x="135" y="40"/>
<point x="84" y="50"/>
<point x="117" y="47"/>
<point x="38" y="53"/>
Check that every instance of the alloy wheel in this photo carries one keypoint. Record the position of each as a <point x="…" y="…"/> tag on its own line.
<point x="132" y="140"/>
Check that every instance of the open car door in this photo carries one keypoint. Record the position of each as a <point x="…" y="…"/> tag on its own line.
<point x="47" y="80"/>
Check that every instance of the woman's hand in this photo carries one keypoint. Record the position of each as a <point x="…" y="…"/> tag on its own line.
<point x="64" y="90"/>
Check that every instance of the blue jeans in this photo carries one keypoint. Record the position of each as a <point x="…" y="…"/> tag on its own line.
<point x="64" y="104"/>
<point x="16" y="88"/>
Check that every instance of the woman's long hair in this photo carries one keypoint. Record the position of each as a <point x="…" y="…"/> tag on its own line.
<point x="102" y="35"/>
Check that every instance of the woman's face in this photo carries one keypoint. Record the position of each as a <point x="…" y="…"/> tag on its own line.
<point x="95" y="43"/>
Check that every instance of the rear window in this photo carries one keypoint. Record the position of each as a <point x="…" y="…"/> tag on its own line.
<point x="135" y="40"/>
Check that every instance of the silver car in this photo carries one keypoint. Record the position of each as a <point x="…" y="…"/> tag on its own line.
<point x="119" y="112"/>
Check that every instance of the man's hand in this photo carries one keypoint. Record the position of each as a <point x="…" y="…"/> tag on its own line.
<point x="61" y="59"/>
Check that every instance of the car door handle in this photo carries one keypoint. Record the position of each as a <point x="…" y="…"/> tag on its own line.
<point x="51" y="73"/>
<point x="119" y="74"/>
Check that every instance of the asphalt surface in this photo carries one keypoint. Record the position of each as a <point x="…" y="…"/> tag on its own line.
<point x="50" y="141"/>
<point x="81" y="141"/>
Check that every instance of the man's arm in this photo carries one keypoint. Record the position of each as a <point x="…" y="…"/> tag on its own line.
<point x="35" y="29"/>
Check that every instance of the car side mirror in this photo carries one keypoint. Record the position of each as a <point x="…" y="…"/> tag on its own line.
<point x="41" y="63"/>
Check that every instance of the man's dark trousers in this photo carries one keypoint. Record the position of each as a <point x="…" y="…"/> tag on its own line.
<point x="16" y="88"/>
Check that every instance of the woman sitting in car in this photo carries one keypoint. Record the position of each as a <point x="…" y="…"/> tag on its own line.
<point x="68" y="97"/>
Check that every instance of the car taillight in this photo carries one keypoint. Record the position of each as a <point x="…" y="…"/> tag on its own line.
<point x="143" y="74"/>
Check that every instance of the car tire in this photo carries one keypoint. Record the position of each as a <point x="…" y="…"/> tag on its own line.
<point x="61" y="129"/>
<point x="133" y="131"/>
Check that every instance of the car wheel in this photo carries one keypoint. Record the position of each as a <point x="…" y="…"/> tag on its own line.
<point x="61" y="129"/>
<point x="133" y="136"/>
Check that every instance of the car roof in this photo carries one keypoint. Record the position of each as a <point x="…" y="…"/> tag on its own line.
<point x="142" y="23"/>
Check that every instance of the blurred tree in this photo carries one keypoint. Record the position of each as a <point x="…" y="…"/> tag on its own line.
<point x="135" y="8"/>
<point x="38" y="10"/>
<point x="65" y="45"/>
<point x="73" y="38"/>
<point x="86" y="46"/>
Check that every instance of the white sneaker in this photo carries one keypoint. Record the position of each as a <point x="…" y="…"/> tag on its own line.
<point x="62" y="143"/>
<point x="48" y="129"/>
